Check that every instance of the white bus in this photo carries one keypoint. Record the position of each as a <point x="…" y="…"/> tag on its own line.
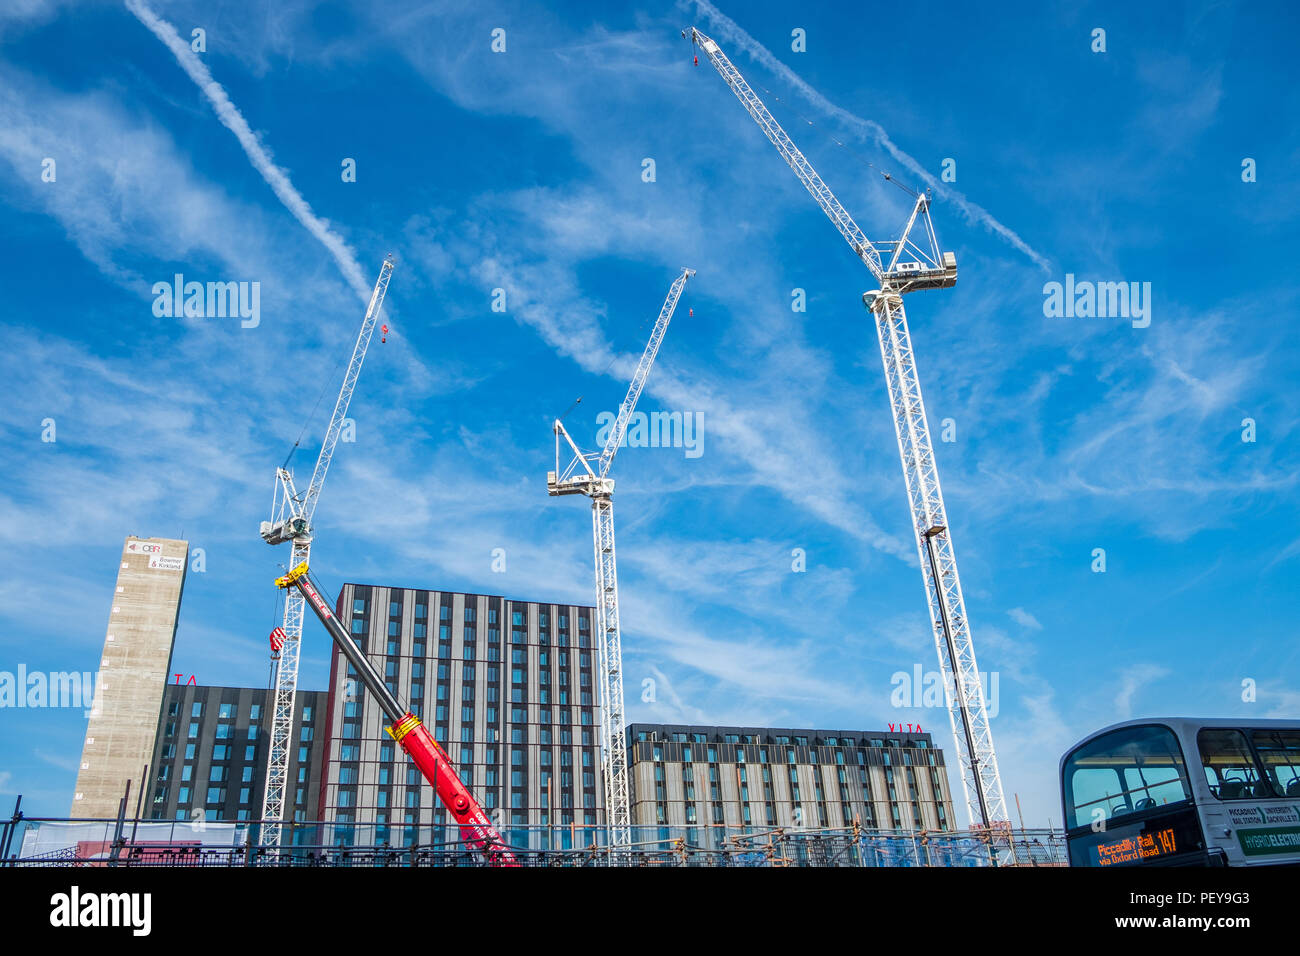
<point x="1183" y="792"/>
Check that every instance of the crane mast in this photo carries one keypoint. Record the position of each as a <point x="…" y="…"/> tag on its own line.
<point x="580" y="477"/>
<point x="291" y="520"/>
<point x="925" y="268"/>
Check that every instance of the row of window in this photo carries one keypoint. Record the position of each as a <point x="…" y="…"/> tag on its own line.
<point x="686" y="753"/>
<point x="780" y="740"/>
<point x="518" y="616"/>
<point x="228" y="711"/>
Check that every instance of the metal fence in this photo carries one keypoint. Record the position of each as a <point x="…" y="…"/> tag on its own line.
<point x="125" y="842"/>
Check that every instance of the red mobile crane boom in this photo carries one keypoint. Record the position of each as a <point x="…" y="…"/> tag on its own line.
<point x="407" y="729"/>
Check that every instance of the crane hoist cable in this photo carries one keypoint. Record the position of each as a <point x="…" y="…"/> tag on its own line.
<point x="645" y="321"/>
<point x="890" y="177"/>
<point x="311" y="416"/>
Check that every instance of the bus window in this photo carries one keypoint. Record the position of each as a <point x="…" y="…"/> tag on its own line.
<point x="1280" y="751"/>
<point x="1230" y="768"/>
<point x="1127" y="771"/>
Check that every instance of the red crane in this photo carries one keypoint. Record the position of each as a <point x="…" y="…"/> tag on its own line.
<point x="475" y="828"/>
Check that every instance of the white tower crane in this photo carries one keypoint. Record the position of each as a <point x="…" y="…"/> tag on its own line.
<point x="588" y="474"/>
<point x="981" y="782"/>
<point x="291" y="520"/>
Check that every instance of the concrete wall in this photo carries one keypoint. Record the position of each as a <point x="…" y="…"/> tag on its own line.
<point x="132" y="674"/>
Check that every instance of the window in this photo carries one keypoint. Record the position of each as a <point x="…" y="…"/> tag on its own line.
<point x="226" y="712"/>
<point x="194" y="729"/>
<point x="1126" y="771"/>
<point x="197" y="709"/>
<point x="1230" y="767"/>
<point x="1279" y="750"/>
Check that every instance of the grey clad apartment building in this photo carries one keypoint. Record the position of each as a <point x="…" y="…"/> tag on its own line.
<point x="759" y="776"/>
<point x="209" y="759"/>
<point x="508" y="687"/>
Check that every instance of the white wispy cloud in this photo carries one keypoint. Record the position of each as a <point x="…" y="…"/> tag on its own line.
<point x="1132" y="680"/>
<point x="234" y="120"/>
<point x="1024" y="618"/>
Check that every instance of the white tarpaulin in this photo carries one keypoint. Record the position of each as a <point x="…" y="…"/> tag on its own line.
<point x="95" y="840"/>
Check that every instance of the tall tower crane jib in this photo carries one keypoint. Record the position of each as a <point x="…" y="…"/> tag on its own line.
<point x="900" y="266"/>
<point x="588" y="474"/>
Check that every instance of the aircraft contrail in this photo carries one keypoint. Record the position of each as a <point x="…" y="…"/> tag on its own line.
<point x="729" y="30"/>
<point x="275" y="177"/>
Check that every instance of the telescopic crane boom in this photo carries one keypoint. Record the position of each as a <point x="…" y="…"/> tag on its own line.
<point x="924" y="268"/>
<point x="409" y="731"/>
<point x="588" y="474"/>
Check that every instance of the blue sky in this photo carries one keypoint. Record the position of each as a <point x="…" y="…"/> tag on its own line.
<point x="523" y="170"/>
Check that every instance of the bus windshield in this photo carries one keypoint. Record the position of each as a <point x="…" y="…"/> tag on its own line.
<point x="1124" y="772"/>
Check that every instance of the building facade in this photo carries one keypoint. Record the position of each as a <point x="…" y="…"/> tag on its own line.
<point x="209" y="761"/>
<point x="508" y="687"/>
<point x="132" y="676"/>
<point x="758" y="777"/>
